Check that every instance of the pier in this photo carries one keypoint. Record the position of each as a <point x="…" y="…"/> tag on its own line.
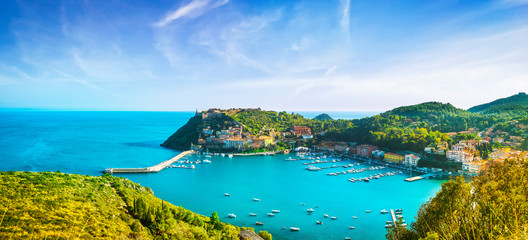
<point x="393" y="216"/>
<point x="153" y="169"/>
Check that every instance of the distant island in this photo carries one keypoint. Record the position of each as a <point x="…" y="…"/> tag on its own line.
<point x="438" y="134"/>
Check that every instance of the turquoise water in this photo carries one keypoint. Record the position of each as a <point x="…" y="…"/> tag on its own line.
<point x="87" y="142"/>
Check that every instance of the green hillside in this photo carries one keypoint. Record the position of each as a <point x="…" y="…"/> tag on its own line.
<point x="492" y="206"/>
<point x="513" y="105"/>
<point x="69" y="206"/>
<point x="323" y="116"/>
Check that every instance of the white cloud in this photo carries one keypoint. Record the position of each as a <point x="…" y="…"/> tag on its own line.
<point x="345" y="14"/>
<point x="193" y="9"/>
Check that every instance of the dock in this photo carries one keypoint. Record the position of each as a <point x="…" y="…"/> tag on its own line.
<point x="412" y="179"/>
<point x="153" y="169"/>
<point x="393" y="216"/>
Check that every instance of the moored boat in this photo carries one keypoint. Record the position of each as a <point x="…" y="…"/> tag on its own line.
<point x="319" y="222"/>
<point x="326" y="216"/>
<point x="231" y="215"/>
<point x="227" y="195"/>
<point x="252" y="214"/>
<point x="333" y="218"/>
<point x="275" y="211"/>
<point x="383" y="211"/>
<point x="271" y="215"/>
<point x="368" y="211"/>
<point x="295" y="229"/>
<point x="259" y="223"/>
<point x="256" y="200"/>
<point x="309" y="210"/>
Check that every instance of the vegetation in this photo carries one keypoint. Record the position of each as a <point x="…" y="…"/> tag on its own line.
<point x="323" y="117"/>
<point x="514" y="105"/>
<point x="61" y="206"/>
<point x="492" y="206"/>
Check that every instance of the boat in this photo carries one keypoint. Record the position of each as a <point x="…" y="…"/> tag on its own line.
<point x="309" y="210"/>
<point x="354" y="217"/>
<point x="388" y="226"/>
<point x="348" y="238"/>
<point x="222" y="154"/>
<point x="333" y="218"/>
<point x="275" y="211"/>
<point x="383" y="211"/>
<point x="206" y="161"/>
<point x="295" y="229"/>
<point x="302" y="204"/>
<point x="227" y="195"/>
<point x="230" y="155"/>
<point x="326" y="216"/>
<point x="399" y="216"/>
<point x="271" y="215"/>
<point x="231" y="215"/>
<point x="368" y="211"/>
<point x="256" y="200"/>
<point x="319" y="222"/>
<point x="252" y="214"/>
<point x="351" y="227"/>
<point x="259" y="223"/>
<point x="403" y="224"/>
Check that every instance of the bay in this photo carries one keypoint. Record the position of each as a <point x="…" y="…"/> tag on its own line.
<point x="88" y="142"/>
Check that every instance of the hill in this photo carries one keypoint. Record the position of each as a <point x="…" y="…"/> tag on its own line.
<point x="59" y="206"/>
<point x="423" y="109"/>
<point x="492" y="206"/>
<point x="323" y="117"/>
<point x="513" y="105"/>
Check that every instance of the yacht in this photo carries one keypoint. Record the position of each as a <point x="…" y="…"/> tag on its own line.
<point x="222" y="154"/>
<point x="231" y="215"/>
<point x="309" y="210"/>
<point x="319" y="222"/>
<point x="230" y="155"/>
<point x="252" y="214"/>
<point x="351" y="227"/>
<point x="271" y="215"/>
<point x="326" y="216"/>
<point x="388" y="226"/>
<point x="384" y="211"/>
<point x="227" y="195"/>
<point x="259" y="223"/>
<point x="206" y="161"/>
<point x="275" y="211"/>
<point x="333" y="218"/>
<point x="354" y="217"/>
<point x="256" y="200"/>
<point x="294" y="229"/>
<point x="368" y="211"/>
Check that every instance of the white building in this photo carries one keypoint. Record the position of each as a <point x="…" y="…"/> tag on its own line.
<point x="459" y="156"/>
<point x="411" y="160"/>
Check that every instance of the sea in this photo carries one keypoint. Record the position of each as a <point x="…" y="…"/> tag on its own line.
<point x="88" y="142"/>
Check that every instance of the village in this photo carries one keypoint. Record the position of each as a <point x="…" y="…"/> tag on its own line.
<point x="470" y="157"/>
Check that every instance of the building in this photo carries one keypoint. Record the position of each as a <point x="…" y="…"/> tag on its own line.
<point x="378" y="153"/>
<point x="394" y="157"/>
<point x="459" y="156"/>
<point x="411" y="160"/>
<point x="237" y="143"/>
<point x="365" y="150"/>
<point x="429" y="149"/>
<point x="474" y="168"/>
<point x="341" y="147"/>
<point x="267" y="140"/>
<point x="301" y="131"/>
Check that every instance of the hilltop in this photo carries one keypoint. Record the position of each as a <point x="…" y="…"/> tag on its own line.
<point x="323" y="116"/>
<point x="516" y="105"/>
<point x="59" y="206"/>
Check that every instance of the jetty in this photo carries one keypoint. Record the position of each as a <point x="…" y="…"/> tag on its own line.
<point x="393" y="216"/>
<point x="153" y="169"/>
<point x="412" y="179"/>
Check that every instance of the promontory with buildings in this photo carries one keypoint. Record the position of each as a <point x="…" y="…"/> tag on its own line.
<point x="429" y="135"/>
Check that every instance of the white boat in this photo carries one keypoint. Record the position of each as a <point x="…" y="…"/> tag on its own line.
<point x="388" y="225"/>
<point x="368" y="211"/>
<point x="259" y="223"/>
<point x="231" y="215"/>
<point x="256" y="200"/>
<point x="295" y="229"/>
<point x="252" y="214"/>
<point x="222" y="154"/>
<point x="206" y="161"/>
<point x="275" y="211"/>
<point x="351" y="227"/>
<point x="319" y="222"/>
<point x="326" y="216"/>
<point x="333" y="218"/>
<point x="403" y="224"/>
<point x="354" y="217"/>
<point x="383" y="211"/>
<point x="230" y="155"/>
<point x="271" y="215"/>
<point x="309" y="210"/>
<point x="227" y="195"/>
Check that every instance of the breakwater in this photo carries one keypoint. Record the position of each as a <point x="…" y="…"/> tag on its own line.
<point x="153" y="169"/>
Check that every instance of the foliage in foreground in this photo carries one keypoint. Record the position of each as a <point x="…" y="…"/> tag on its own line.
<point x="63" y="206"/>
<point x="492" y="206"/>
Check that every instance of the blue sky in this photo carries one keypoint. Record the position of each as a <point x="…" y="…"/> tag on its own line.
<point x="341" y="55"/>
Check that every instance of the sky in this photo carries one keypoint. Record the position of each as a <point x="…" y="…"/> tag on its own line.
<point x="333" y="55"/>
